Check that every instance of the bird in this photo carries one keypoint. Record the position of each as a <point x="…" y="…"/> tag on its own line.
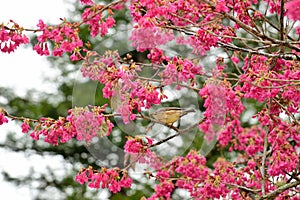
<point x="169" y="115"/>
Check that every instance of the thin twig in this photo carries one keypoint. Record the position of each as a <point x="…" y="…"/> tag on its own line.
<point x="99" y="11"/>
<point x="274" y="86"/>
<point x="281" y="23"/>
<point x="288" y="112"/>
<point x="243" y="188"/>
<point x="264" y="158"/>
<point x="277" y="55"/>
<point x="179" y="132"/>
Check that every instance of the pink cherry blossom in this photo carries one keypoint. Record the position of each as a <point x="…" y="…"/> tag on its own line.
<point x="25" y="127"/>
<point x="87" y="2"/>
<point x="105" y="178"/>
<point x="10" y="40"/>
<point x="293" y="9"/>
<point x="3" y="119"/>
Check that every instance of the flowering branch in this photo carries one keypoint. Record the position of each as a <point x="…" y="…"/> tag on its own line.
<point x="281" y="189"/>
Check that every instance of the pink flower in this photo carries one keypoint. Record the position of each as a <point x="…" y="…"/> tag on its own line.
<point x="34" y="135"/>
<point x="3" y="119"/>
<point x="89" y="124"/>
<point x="162" y="175"/>
<point x="81" y="178"/>
<point x="96" y="23"/>
<point x="163" y="189"/>
<point x="125" y="112"/>
<point x="114" y="186"/>
<point x="87" y="2"/>
<point x="110" y="22"/>
<point x="202" y="42"/>
<point x="11" y="40"/>
<point x="293" y="8"/>
<point x="104" y="178"/>
<point x="25" y="126"/>
<point x="41" y="25"/>
<point x="137" y="147"/>
<point x="157" y="56"/>
<point x="42" y="49"/>
<point x="133" y="146"/>
<point x="235" y="59"/>
<point x="75" y="57"/>
<point x="65" y="38"/>
<point x="221" y="6"/>
<point x="125" y="181"/>
<point x="144" y="38"/>
<point x="219" y="100"/>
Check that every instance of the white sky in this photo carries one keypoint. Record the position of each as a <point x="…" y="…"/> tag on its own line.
<point x="25" y="70"/>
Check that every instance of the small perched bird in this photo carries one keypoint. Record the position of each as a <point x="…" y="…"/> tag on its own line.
<point x="169" y="115"/>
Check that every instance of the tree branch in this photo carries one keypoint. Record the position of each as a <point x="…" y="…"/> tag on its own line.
<point x="277" y="55"/>
<point x="281" y="20"/>
<point x="179" y="131"/>
<point x="279" y="190"/>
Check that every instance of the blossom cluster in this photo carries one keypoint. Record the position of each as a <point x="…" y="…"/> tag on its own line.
<point x="137" y="150"/>
<point x="215" y="104"/>
<point x="149" y="36"/>
<point x="153" y="25"/>
<point x="90" y="124"/>
<point x="11" y="38"/>
<point x="261" y="83"/>
<point x="138" y="144"/>
<point x="284" y="157"/>
<point x="64" y="36"/>
<point x="121" y="81"/>
<point x="93" y="17"/>
<point x="223" y="181"/>
<point x="112" y="179"/>
<point x="87" y="2"/>
<point x="223" y="109"/>
<point x="180" y="70"/>
<point x="293" y="9"/>
<point x="81" y="123"/>
<point x="191" y="173"/>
